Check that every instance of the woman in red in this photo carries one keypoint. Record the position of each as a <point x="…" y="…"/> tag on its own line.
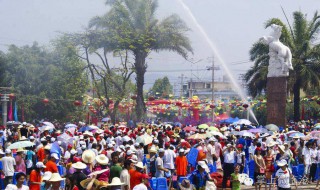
<point x="181" y="164"/>
<point x="35" y="176"/>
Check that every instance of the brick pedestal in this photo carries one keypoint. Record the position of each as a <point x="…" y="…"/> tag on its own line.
<point x="276" y="100"/>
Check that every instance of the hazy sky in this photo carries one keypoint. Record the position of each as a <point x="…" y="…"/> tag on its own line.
<point x="232" y="25"/>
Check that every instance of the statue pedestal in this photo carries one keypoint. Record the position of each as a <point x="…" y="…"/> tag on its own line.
<point x="276" y="100"/>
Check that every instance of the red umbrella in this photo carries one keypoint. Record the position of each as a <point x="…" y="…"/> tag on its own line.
<point x="189" y="128"/>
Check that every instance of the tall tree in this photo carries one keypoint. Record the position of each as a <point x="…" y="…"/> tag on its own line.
<point x="132" y="25"/>
<point x="301" y="37"/>
<point x="162" y="87"/>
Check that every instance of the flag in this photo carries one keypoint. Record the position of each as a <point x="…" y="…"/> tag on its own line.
<point x="15" y="111"/>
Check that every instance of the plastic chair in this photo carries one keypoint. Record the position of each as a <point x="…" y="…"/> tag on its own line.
<point x="295" y="171"/>
<point x="300" y="171"/>
<point x="60" y="170"/>
<point x="251" y="166"/>
<point x="162" y="183"/>
<point x="153" y="183"/>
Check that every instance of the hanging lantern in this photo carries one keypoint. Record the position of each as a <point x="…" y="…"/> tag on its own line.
<point x="179" y="104"/>
<point x="12" y="96"/>
<point x="151" y="98"/>
<point x="212" y="106"/>
<point x="45" y="101"/>
<point x="134" y="97"/>
<point x="77" y="103"/>
<point x="245" y="106"/>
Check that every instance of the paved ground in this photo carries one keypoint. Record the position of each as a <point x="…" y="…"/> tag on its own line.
<point x="304" y="187"/>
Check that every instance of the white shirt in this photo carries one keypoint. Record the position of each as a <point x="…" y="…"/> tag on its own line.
<point x="67" y="154"/>
<point x="159" y="162"/>
<point x="313" y="155"/>
<point x="217" y="146"/>
<point x="229" y="157"/>
<point x="8" y="164"/>
<point x="210" y="151"/>
<point x="283" y="178"/>
<point x="306" y="155"/>
<point x="14" y="187"/>
<point x="168" y="159"/>
<point x="141" y="186"/>
<point x="125" y="178"/>
<point x="140" y="154"/>
<point x="239" y="157"/>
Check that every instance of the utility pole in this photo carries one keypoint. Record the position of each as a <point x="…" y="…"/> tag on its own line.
<point x="4" y="100"/>
<point x="212" y="68"/>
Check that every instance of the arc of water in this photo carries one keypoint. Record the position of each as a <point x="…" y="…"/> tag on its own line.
<point x="218" y="56"/>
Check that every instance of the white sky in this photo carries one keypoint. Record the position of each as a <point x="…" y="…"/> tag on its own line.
<point x="232" y="25"/>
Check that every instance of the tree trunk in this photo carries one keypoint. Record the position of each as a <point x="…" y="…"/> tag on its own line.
<point x="296" y="100"/>
<point x="114" y="112"/>
<point x="140" y="69"/>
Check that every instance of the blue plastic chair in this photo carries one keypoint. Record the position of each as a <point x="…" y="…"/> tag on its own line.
<point x="300" y="171"/>
<point x="212" y="168"/>
<point x="60" y="170"/>
<point x="251" y="166"/>
<point x="295" y="171"/>
<point x="162" y="183"/>
<point x="153" y="183"/>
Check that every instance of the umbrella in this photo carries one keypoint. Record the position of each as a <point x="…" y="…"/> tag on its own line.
<point x="189" y="128"/>
<point x="21" y="144"/>
<point x="94" y="127"/>
<point x="203" y="126"/>
<point x="297" y="135"/>
<point x="14" y="123"/>
<point x="314" y="134"/>
<point x="242" y="122"/>
<point x="145" y="139"/>
<point x="48" y="124"/>
<point x="70" y="125"/>
<point x="86" y="128"/>
<point x="198" y="136"/>
<point x="46" y="128"/>
<point x="214" y="133"/>
<point x="106" y="119"/>
<point x="317" y="127"/>
<point x="272" y="127"/>
<point x="246" y="134"/>
<point x="258" y="130"/>
<point x="212" y="128"/>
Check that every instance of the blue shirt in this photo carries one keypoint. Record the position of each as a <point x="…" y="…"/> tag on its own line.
<point x="200" y="179"/>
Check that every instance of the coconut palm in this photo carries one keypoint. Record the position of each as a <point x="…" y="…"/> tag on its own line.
<point x="301" y="38"/>
<point x="132" y="25"/>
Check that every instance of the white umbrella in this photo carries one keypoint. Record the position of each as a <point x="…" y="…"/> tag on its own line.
<point x="246" y="133"/>
<point x="46" y="128"/>
<point x="242" y="122"/>
<point x="21" y="144"/>
<point x="48" y="124"/>
<point x="94" y="127"/>
<point x="70" y="125"/>
<point x="214" y="133"/>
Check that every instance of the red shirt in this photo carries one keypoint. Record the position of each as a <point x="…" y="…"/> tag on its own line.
<point x="35" y="177"/>
<point x="51" y="167"/>
<point x="41" y="154"/>
<point x="135" y="178"/>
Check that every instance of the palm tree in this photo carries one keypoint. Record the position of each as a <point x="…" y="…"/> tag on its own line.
<point x="132" y="25"/>
<point x="301" y="38"/>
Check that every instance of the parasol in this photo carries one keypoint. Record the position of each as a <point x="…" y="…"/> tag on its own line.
<point x="70" y="125"/>
<point x="272" y="127"/>
<point x="198" y="136"/>
<point x="203" y="126"/>
<point x="242" y="122"/>
<point x="212" y="128"/>
<point x="21" y="144"/>
<point x="189" y="128"/>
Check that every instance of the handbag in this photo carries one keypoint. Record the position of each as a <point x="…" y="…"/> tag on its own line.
<point x="262" y="171"/>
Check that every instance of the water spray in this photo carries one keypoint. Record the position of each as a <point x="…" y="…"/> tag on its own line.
<point x="217" y="55"/>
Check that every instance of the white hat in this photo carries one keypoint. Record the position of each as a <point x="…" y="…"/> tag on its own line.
<point x="203" y="165"/>
<point x="136" y="144"/>
<point x="161" y="150"/>
<point x="115" y="182"/>
<point x="281" y="147"/>
<point x="1" y="152"/>
<point x="282" y="162"/>
<point x="82" y="142"/>
<point x="110" y="145"/>
<point x="153" y="149"/>
<point x="53" y="139"/>
<point x="8" y="151"/>
<point x="40" y="165"/>
<point x="129" y="152"/>
<point x="122" y="147"/>
<point x="23" y="138"/>
<point x="127" y="146"/>
<point x="59" y="142"/>
<point x="55" y="155"/>
<point x="24" y="123"/>
<point x="73" y="151"/>
<point x="118" y="150"/>
<point x="156" y="141"/>
<point x="181" y="150"/>
<point x="88" y="133"/>
<point x="83" y="146"/>
<point x="56" y="177"/>
<point x="20" y="150"/>
<point x="31" y="137"/>
<point x="211" y="139"/>
<point x="271" y="144"/>
<point x="139" y="165"/>
<point x="102" y="159"/>
<point x="88" y="156"/>
<point x="46" y="176"/>
<point x="112" y="142"/>
<point x="81" y="137"/>
<point x="47" y="147"/>
<point x="43" y="139"/>
<point x="79" y="166"/>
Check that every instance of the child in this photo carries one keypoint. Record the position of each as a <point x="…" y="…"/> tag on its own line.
<point x="283" y="176"/>
<point x="235" y="178"/>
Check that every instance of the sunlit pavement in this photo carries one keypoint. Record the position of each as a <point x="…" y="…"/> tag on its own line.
<point x="300" y="187"/>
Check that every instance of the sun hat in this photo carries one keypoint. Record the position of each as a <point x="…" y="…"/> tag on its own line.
<point x="282" y="162"/>
<point x="47" y="147"/>
<point x="281" y="147"/>
<point x="152" y="150"/>
<point x="79" y="166"/>
<point x="8" y="151"/>
<point x="102" y="159"/>
<point x="88" y="156"/>
<point x="20" y="150"/>
<point x="161" y="150"/>
<point x="46" y="176"/>
<point x="186" y="185"/>
<point x="1" y="152"/>
<point x="129" y="152"/>
<point x="127" y="146"/>
<point x="23" y="138"/>
<point x="203" y="165"/>
<point x="40" y="165"/>
<point x="31" y="138"/>
<point x="181" y="150"/>
<point x="84" y="183"/>
<point x="110" y="145"/>
<point x="55" y="156"/>
<point x="115" y="181"/>
<point x="271" y="144"/>
<point x="139" y="165"/>
<point x="73" y="151"/>
<point x="56" y="177"/>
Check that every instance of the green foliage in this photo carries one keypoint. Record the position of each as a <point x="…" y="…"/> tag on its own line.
<point x="37" y="73"/>
<point x="301" y="39"/>
<point x="162" y="87"/>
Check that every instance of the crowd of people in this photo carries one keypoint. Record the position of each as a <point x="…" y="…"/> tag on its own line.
<point x="137" y="158"/>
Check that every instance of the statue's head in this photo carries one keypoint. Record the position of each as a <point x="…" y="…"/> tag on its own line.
<point x="276" y="33"/>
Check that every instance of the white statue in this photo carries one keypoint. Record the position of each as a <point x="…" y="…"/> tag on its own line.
<point x="280" y="55"/>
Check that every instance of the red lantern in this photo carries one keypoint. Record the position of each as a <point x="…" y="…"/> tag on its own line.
<point x="77" y="103"/>
<point x="151" y="98"/>
<point x="45" y="101"/>
<point x="245" y="106"/>
<point x="179" y="104"/>
<point x="212" y="106"/>
<point x="134" y="97"/>
<point x="12" y="96"/>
